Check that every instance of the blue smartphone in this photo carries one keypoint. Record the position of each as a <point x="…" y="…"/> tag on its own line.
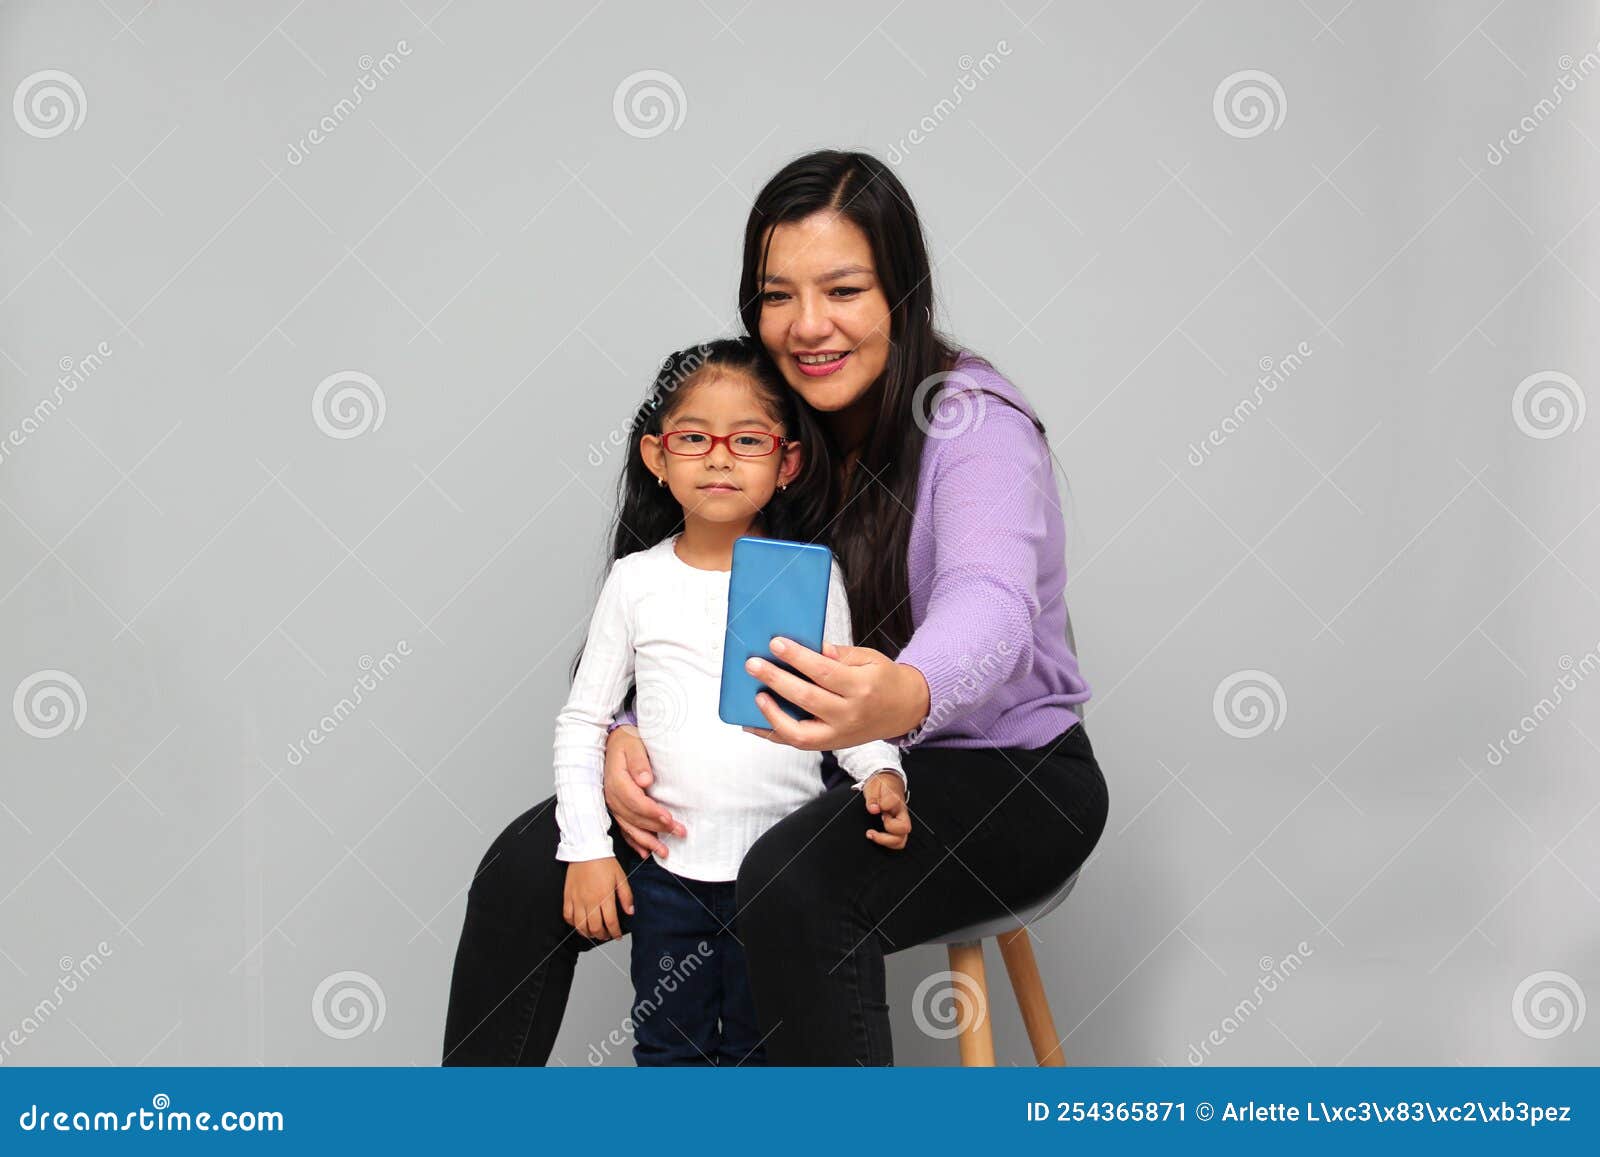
<point x="776" y="588"/>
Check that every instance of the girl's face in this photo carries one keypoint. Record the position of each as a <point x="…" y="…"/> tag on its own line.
<point x="824" y="316"/>
<point x="720" y="486"/>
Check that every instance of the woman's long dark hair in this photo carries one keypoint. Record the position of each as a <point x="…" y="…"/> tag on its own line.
<point x="872" y="544"/>
<point x="647" y="513"/>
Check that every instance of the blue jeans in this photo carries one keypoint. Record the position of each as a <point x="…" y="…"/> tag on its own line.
<point x="692" y="1002"/>
<point x="692" y="991"/>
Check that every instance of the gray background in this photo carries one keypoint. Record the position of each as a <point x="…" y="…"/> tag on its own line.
<point x="484" y="239"/>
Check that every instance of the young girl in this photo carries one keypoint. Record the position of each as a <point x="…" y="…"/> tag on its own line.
<point x="719" y="455"/>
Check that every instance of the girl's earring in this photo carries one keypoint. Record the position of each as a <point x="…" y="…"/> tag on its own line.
<point x="660" y="481"/>
<point x="783" y="486"/>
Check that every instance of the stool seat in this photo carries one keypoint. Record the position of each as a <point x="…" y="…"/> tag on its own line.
<point x="1009" y="922"/>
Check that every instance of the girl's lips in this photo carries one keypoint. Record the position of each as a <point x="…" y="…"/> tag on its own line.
<point x="823" y="370"/>
<point x="718" y="488"/>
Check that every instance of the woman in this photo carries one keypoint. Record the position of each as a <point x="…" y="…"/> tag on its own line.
<point x="948" y="526"/>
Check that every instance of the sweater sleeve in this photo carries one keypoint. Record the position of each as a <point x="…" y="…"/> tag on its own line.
<point x="991" y="497"/>
<point x="863" y="760"/>
<point x="598" y="688"/>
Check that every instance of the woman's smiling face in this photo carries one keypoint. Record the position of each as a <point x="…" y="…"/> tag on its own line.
<point x="824" y="314"/>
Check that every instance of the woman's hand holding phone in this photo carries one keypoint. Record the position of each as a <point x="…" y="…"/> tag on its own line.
<point x="855" y="695"/>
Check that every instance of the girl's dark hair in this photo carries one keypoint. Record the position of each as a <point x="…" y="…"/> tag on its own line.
<point x="647" y="513"/>
<point x="872" y="544"/>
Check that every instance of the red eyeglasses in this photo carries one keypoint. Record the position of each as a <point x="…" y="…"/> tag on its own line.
<point x="699" y="443"/>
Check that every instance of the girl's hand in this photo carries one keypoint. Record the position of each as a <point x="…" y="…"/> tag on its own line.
<point x="627" y="775"/>
<point x="589" y="902"/>
<point x="856" y="694"/>
<point x="886" y="796"/>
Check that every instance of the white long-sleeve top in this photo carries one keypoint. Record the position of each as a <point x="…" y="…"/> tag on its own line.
<point x="659" y="623"/>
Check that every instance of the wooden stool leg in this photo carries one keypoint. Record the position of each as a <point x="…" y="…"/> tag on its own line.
<point x="977" y="1039"/>
<point x="1017" y="950"/>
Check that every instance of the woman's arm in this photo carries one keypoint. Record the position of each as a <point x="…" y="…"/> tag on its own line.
<point x="992" y="505"/>
<point x="989" y="511"/>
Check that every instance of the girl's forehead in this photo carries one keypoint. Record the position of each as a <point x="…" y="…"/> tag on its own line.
<point x="718" y="396"/>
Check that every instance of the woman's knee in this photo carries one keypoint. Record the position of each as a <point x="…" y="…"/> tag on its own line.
<point x="521" y="861"/>
<point x="782" y="874"/>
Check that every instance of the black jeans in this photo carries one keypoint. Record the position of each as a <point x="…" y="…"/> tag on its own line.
<point x="993" y="830"/>
<point x="691" y="987"/>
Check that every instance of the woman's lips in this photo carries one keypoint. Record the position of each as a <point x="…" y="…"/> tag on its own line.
<point x="825" y="369"/>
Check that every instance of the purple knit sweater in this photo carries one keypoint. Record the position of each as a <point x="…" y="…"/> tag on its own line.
<point x="988" y="574"/>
